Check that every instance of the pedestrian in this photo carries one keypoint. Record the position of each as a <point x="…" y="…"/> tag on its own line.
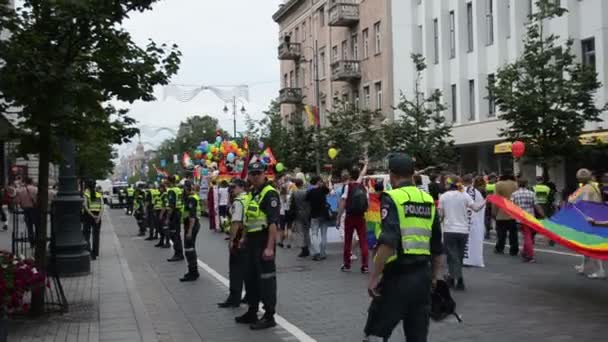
<point x="223" y="197"/>
<point x="173" y="219"/>
<point x="490" y="189"/>
<point x="593" y="268"/>
<point x="191" y="229"/>
<point x="211" y="204"/>
<point x="27" y="200"/>
<point x="301" y="217"/>
<point x="5" y="199"/>
<point x="150" y="195"/>
<point x="130" y="199"/>
<point x="408" y="258"/>
<point x="262" y="218"/>
<point x="235" y="247"/>
<point x="504" y="223"/>
<point x="160" y="209"/>
<point x="474" y="251"/>
<point x="92" y="221"/>
<point x="284" y="228"/>
<point x="353" y="204"/>
<point x="139" y="209"/>
<point x="454" y="206"/>
<point x="319" y="217"/>
<point x="527" y="201"/>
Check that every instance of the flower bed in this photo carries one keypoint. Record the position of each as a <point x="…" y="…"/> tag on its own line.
<point x="18" y="276"/>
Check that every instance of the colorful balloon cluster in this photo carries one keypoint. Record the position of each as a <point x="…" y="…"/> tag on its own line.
<point x="207" y="153"/>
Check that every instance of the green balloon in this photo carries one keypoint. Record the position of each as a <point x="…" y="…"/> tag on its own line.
<point x="280" y="167"/>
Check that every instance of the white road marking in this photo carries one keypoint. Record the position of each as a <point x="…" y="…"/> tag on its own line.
<point x="540" y="250"/>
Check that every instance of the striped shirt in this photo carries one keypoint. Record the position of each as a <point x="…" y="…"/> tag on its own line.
<point x="524" y="199"/>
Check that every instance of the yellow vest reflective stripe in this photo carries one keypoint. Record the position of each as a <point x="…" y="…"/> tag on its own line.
<point x="156" y="200"/>
<point x="541" y="193"/>
<point x="255" y="218"/>
<point x="416" y="211"/>
<point x="179" y="203"/>
<point x="490" y="188"/>
<point x="95" y="205"/>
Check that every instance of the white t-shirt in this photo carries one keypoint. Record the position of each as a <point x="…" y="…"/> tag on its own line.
<point x="237" y="212"/>
<point x="454" y="205"/>
<point x="223" y="196"/>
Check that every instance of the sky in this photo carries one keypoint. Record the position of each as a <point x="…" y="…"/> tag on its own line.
<point x="223" y="43"/>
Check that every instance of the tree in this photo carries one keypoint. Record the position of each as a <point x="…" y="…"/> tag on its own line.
<point x="422" y="131"/>
<point x="62" y="65"/>
<point x="299" y="145"/>
<point x="545" y="96"/>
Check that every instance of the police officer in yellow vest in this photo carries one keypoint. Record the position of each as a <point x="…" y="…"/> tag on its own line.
<point x="407" y="260"/>
<point x="541" y="193"/>
<point x="261" y="219"/>
<point x="92" y="222"/>
<point x="191" y="229"/>
<point x="130" y="199"/>
<point x="160" y="203"/>
<point x="149" y="211"/>
<point x="490" y="189"/>
<point x="173" y="219"/>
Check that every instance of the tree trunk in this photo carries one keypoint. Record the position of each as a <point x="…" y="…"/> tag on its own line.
<point x="37" y="307"/>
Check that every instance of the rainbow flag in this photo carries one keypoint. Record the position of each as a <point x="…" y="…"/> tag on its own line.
<point x="312" y="113"/>
<point x="372" y="218"/>
<point x="568" y="227"/>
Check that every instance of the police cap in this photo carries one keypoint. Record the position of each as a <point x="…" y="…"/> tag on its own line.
<point x="401" y="164"/>
<point x="257" y="167"/>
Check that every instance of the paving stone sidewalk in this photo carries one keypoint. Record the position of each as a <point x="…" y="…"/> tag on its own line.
<point x="103" y="306"/>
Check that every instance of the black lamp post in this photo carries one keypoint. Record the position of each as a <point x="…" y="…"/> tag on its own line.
<point x="226" y="110"/>
<point x="71" y="255"/>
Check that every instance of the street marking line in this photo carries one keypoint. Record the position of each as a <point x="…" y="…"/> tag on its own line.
<point x="292" y="329"/>
<point x="539" y="250"/>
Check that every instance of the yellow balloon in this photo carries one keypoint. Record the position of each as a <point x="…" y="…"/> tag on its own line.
<point x="332" y="153"/>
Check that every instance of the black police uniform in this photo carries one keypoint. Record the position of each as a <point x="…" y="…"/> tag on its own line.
<point x="236" y="262"/>
<point x="190" y="243"/>
<point x="174" y="227"/>
<point x="405" y="288"/>
<point x="139" y="213"/>
<point x="149" y="214"/>
<point x="260" y="273"/>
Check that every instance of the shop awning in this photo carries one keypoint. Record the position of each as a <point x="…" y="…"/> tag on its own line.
<point x="504" y="147"/>
<point x="594" y="138"/>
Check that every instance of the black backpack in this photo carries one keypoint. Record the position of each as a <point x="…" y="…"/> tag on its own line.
<point x="442" y="304"/>
<point x="356" y="203"/>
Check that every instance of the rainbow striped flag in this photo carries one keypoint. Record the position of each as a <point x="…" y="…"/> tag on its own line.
<point x="372" y="218"/>
<point x="568" y="227"/>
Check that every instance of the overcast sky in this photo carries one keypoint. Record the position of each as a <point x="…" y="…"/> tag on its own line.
<point x="223" y="42"/>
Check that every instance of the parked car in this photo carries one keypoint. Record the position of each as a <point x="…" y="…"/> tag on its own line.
<point x="115" y="198"/>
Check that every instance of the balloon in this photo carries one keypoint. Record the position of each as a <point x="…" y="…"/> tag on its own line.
<point x="205" y="172"/>
<point x="518" y="149"/>
<point x="230" y="157"/>
<point x="209" y="162"/>
<point x="261" y="145"/>
<point x="332" y="153"/>
<point x="209" y="156"/>
<point x="218" y="139"/>
<point x="266" y="160"/>
<point x="280" y="167"/>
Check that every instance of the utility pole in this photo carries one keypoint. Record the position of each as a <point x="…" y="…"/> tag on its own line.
<point x="318" y="104"/>
<point x="234" y="115"/>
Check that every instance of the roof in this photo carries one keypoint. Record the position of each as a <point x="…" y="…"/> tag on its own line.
<point x="284" y="9"/>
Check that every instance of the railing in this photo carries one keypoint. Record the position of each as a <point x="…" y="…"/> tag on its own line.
<point x="344" y="13"/>
<point x="290" y="95"/>
<point x="345" y="70"/>
<point x="290" y="51"/>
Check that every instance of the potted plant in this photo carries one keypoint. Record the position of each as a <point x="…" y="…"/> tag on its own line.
<point x="18" y="276"/>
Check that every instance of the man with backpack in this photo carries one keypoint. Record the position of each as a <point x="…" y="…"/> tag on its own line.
<point x="354" y="203"/>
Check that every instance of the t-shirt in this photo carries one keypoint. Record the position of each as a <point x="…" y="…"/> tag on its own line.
<point x="237" y="212"/>
<point x="454" y="205"/>
<point x="223" y="196"/>
<point x="317" y="198"/>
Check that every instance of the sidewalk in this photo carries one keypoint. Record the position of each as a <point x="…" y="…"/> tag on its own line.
<point x="103" y="306"/>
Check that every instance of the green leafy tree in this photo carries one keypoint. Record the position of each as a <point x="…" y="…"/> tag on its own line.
<point x="299" y="145"/>
<point x="63" y="63"/>
<point x="545" y="96"/>
<point x="422" y="130"/>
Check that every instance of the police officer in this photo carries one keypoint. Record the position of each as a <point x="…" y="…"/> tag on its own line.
<point x="191" y="228"/>
<point x="173" y="219"/>
<point x="235" y="247"/>
<point x="139" y="209"/>
<point x="407" y="260"/>
<point x="261" y="221"/>
<point x="159" y="203"/>
<point x="490" y="189"/>
<point x="130" y="199"/>
<point x="149" y="211"/>
<point x="92" y="222"/>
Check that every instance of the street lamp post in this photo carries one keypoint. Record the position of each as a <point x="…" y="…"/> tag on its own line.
<point x="315" y="60"/>
<point x="243" y="111"/>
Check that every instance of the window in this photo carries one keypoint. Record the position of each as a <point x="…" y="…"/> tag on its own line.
<point x="454" y="104"/>
<point x="322" y="16"/>
<point x="354" y="45"/>
<point x="334" y="53"/>
<point x="291" y="79"/>
<point x="344" y="50"/>
<point x="491" y="98"/>
<point x="452" y="35"/>
<point x="286" y="80"/>
<point x="471" y="100"/>
<point x="588" y="47"/>
<point x="366" y="97"/>
<point x="356" y="98"/>
<point x="322" y="63"/>
<point x="508" y="19"/>
<point x="378" y="35"/>
<point x="296" y="35"/>
<point x="379" y="95"/>
<point x="304" y="31"/>
<point x="490" y="21"/>
<point x="436" y="40"/>
<point x="470" y="27"/>
<point x="365" y="43"/>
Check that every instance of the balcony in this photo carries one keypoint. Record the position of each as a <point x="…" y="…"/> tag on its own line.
<point x="290" y="51"/>
<point x="347" y="71"/>
<point x="290" y="95"/>
<point x="344" y="13"/>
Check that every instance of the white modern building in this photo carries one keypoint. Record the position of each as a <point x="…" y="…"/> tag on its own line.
<point x="465" y="41"/>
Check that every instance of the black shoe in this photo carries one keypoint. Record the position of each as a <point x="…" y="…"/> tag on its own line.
<point x="149" y="238"/>
<point x="189" y="277"/>
<point x="160" y="244"/>
<point x="175" y="258"/>
<point x="304" y="253"/>
<point x="316" y="257"/>
<point x="166" y="246"/>
<point x="245" y="300"/>
<point x="496" y="251"/>
<point x="249" y="317"/>
<point x="460" y="285"/>
<point x="280" y="244"/>
<point x="264" y="323"/>
<point x="93" y="257"/>
<point x="289" y="246"/>
<point x="229" y="303"/>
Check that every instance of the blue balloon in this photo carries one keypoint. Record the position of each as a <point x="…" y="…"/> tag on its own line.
<point x="230" y="157"/>
<point x="205" y="172"/>
<point x="218" y="139"/>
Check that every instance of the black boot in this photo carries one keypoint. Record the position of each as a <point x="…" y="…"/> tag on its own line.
<point x="250" y="317"/>
<point x="304" y="253"/>
<point x="159" y="244"/>
<point x="176" y="258"/>
<point x="189" y="277"/>
<point x="450" y="281"/>
<point x="229" y="303"/>
<point x="266" y="322"/>
<point x="460" y="285"/>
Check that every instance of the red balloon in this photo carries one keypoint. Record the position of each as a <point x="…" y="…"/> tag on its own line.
<point x="518" y="149"/>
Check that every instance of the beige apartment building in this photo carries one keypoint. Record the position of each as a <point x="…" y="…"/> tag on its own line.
<point x="352" y="43"/>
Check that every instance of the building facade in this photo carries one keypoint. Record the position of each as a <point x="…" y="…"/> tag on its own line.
<point x="346" y="43"/>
